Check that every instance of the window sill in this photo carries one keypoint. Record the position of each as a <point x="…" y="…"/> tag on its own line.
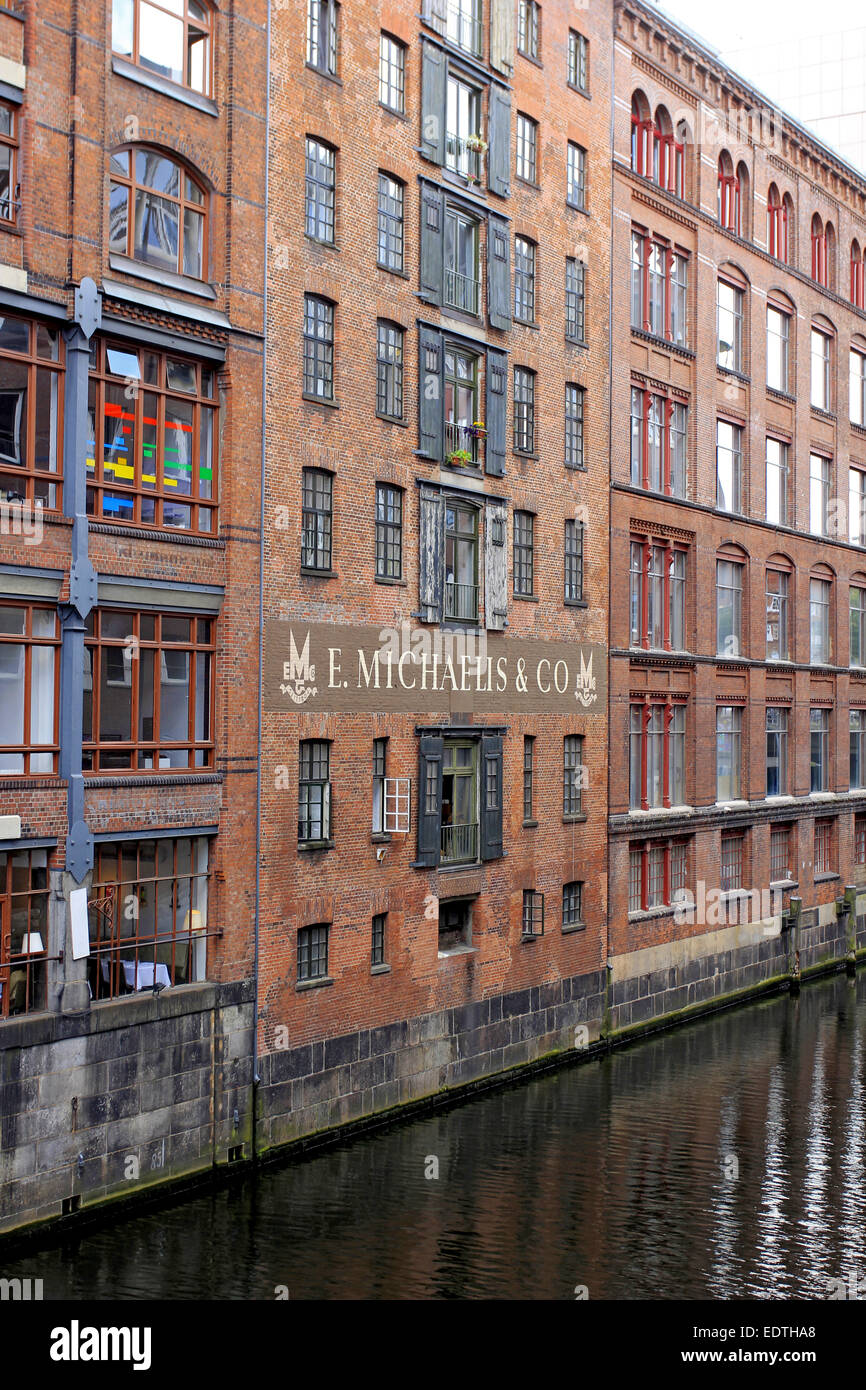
<point x="392" y="111"/>
<point x="166" y="279"/>
<point x="319" y="574"/>
<point x="530" y="58"/>
<point x="775" y="393"/>
<point x="569" y="927"/>
<point x="380" y="837"/>
<point x="734" y="372"/>
<point x="302" y="985"/>
<point x="383" y="969"/>
<point x="391" y="270"/>
<point x="530" y="824"/>
<point x="527" y="183"/>
<point x="581" y="91"/>
<point x="647" y="914"/>
<point x="391" y="583"/>
<point x="575" y="603"/>
<point x="526" y="323"/>
<point x="784" y="883"/>
<point x="320" y="241"/>
<point x="123" y="68"/>
<point x="457" y="951"/>
<point x="825" y="878"/>
<point x="527" y="937"/>
<point x="575" y="207"/>
<point x="576" y="342"/>
<point x="401" y="423"/>
<point x="526" y="454"/>
<point x="319" y="400"/>
<point x="525" y="598"/>
<point x="576" y="819"/>
<point x="314" y="846"/>
<point x="328" y="76"/>
<point x="821" y="413"/>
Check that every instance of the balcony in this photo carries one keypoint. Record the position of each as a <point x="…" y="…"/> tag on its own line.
<point x="461" y="158"/>
<point x="463" y="440"/>
<point x="462" y="292"/>
<point x="461" y="601"/>
<point x="459" y="844"/>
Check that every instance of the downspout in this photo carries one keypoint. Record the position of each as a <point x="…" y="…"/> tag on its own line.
<point x="607" y="958"/>
<point x="256" y="1077"/>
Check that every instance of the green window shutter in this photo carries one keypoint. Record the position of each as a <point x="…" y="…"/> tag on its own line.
<point x="431" y="558"/>
<point x="430" y="755"/>
<point x="434" y="70"/>
<point x="497" y="407"/>
<point x="491" y="796"/>
<point x="498" y="272"/>
<point x="432" y="243"/>
<point x="499" y="153"/>
<point x="431" y="392"/>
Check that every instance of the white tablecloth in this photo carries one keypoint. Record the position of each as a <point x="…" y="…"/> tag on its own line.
<point x="141" y="976"/>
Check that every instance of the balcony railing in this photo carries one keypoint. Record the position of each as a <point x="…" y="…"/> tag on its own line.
<point x="459" y="844"/>
<point x="460" y="157"/>
<point x="462" y="291"/>
<point x="461" y="601"/>
<point x="463" y="439"/>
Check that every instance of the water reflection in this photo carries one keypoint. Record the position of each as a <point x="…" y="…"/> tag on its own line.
<point x="617" y="1175"/>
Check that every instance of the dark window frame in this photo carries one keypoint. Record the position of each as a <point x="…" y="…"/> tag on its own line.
<point x="319" y="334"/>
<point x="320" y="191"/>
<point x="389" y="531"/>
<point x="313" y="950"/>
<point x="524" y="554"/>
<point x="319" y="554"/>
<point x="314" y="772"/>
<point x="390" y="350"/>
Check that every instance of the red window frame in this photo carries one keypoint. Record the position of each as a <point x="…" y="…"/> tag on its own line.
<point x="667" y="450"/>
<point x="824" y="847"/>
<point x="642" y="145"/>
<point x="729" y="203"/>
<point x="648" y="543"/>
<point x="860" y="839"/>
<point x="780" y="834"/>
<point x="647" y="707"/>
<point x="675" y="864"/>
<point x="191" y="203"/>
<point x="28" y="749"/>
<point x="819" y="258"/>
<point x="27" y="374"/>
<point x="737" y="840"/>
<point x="777" y="231"/>
<point x="205" y="28"/>
<point x="669" y="254"/>
<point x="9" y="206"/>
<point x="33" y="901"/>
<point x="857" y="281"/>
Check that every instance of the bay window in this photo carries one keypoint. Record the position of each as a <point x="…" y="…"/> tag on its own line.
<point x="657" y="736"/>
<point x="148" y="691"/>
<point x="29" y="689"/>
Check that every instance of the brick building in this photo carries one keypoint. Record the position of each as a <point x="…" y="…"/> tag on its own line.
<point x="131" y="338"/>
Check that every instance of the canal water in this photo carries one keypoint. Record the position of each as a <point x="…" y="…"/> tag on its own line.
<point x="723" y="1160"/>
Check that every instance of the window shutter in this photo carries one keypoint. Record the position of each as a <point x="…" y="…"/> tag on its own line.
<point x="498" y="272"/>
<point x="432" y="243"/>
<point x="497" y="401"/>
<point x="431" y="537"/>
<point x="491" y="796"/>
<point x="431" y="393"/>
<point x="434" y="13"/>
<point x="499" y="153"/>
<point x="430" y="753"/>
<point x="434" y="66"/>
<point x="496" y="566"/>
<point x="502" y="36"/>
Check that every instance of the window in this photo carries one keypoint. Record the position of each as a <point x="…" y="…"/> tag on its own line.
<point x="392" y="73"/>
<point x="778" y="338"/>
<point x="777" y="225"/>
<point x="856" y="506"/>
<point x="820" y="252"/>
<point x="314" y="792"/>
<point x="777" y="750"/>
<point x="31" y="388"/>
<point x="728" y="195"/>
<point x="389" y="370"/>
<point x="856" y="287"/>
<point x="313" y="952"/>
<point x="524" y="280"/>
<point x="729" y="608"/>
<point x="659" y="288"/>
<point x="527" y="28"/>
<point x="29" y="690"/>
<point x="528" y="773"/>
<point x="380" y="754"/>
<point x="658" y="443"/>
<point x="656" y="874"/>
<point x="578" y="61"/>
<point x="857" y="387"/>
<point x="641" y="135"/>
<point x="574" y="533"/>
<point x="729" y="466"/>
<point x="462" y="23"/>
<point x="729" y="318"/>
<point x="860" y="839"/>
<point x="463" y="129"/>
<point x="733" y="847"/>
<point x="318" y="348"/>
<point x="574" y="403"/>
<point x="533" y="913"/>
<point x="777" y="615"/>
<point x="657" y="738"/>
<point x="459" y="802"/>
<point x="9" y="204"/>
<point x="169" y="37"/>
<point x="729" y="752"/>
<point x="377" y="941"/>
<point x="154" y="930"/>
<point x="572" y="905"/>
<point x="148" y="691"/>
<point x="657" y="586"/>
<point x="524" y="410"/>
<point x="464" y="437"/>
<point x="576" y="195"/>
<point x="158" y="213"/>
<point x="857" y="736"/>
<point x="572" y="776"/>
<point x="819" y="750"/>
<point x="824" y="858"/>
<point x="819" y="620"/>
<point x="781" y="861"/>
<point x="23" y="931"/>
<point x="152" y="448"/>
<point x="524" y="538"/>
<point x="316" y="518"/>
<point x="657" y="152"/>
<point x="527" y="144"/>
<point x="461" y="562"/>
<point x="777" y="482"/>
<point x="462" y="289"/>
<point x="389" y="532"/>
<point x="455" y="927"/>
<point x="322" y="17"/>
<point x="819" y="495"/>
<point x="320" y="184"/>
<point x="820" y="357"/>
<point x="390" y="246"/>
<point x="857" y="627"/>
<point x="575" y="300"/>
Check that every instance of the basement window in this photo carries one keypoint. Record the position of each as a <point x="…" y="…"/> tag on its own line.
<point x="455" y="927"/>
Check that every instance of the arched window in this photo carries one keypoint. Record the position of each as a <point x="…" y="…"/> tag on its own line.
<point x="819" y="251"/>
<point x="744" y="202"/>
<point x="158" y="212"/>
<point x="856" y="274"/>
<point x="680" y="143"/>
<point x="729" y="195"/>
<point x="641" y="135"/>
<point x="171" y="38"/>
<point x="830" y="239"/>
<point x="777" y="225"/>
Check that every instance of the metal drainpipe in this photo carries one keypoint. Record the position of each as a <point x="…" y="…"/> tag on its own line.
<point x="256" y="1077"/>
<point x="610" y="483"/>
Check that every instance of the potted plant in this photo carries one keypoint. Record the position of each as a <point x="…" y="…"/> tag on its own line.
<point x="477" y="144"/>
<point x="478" y="429"/>
<point x="460" y="456"/>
